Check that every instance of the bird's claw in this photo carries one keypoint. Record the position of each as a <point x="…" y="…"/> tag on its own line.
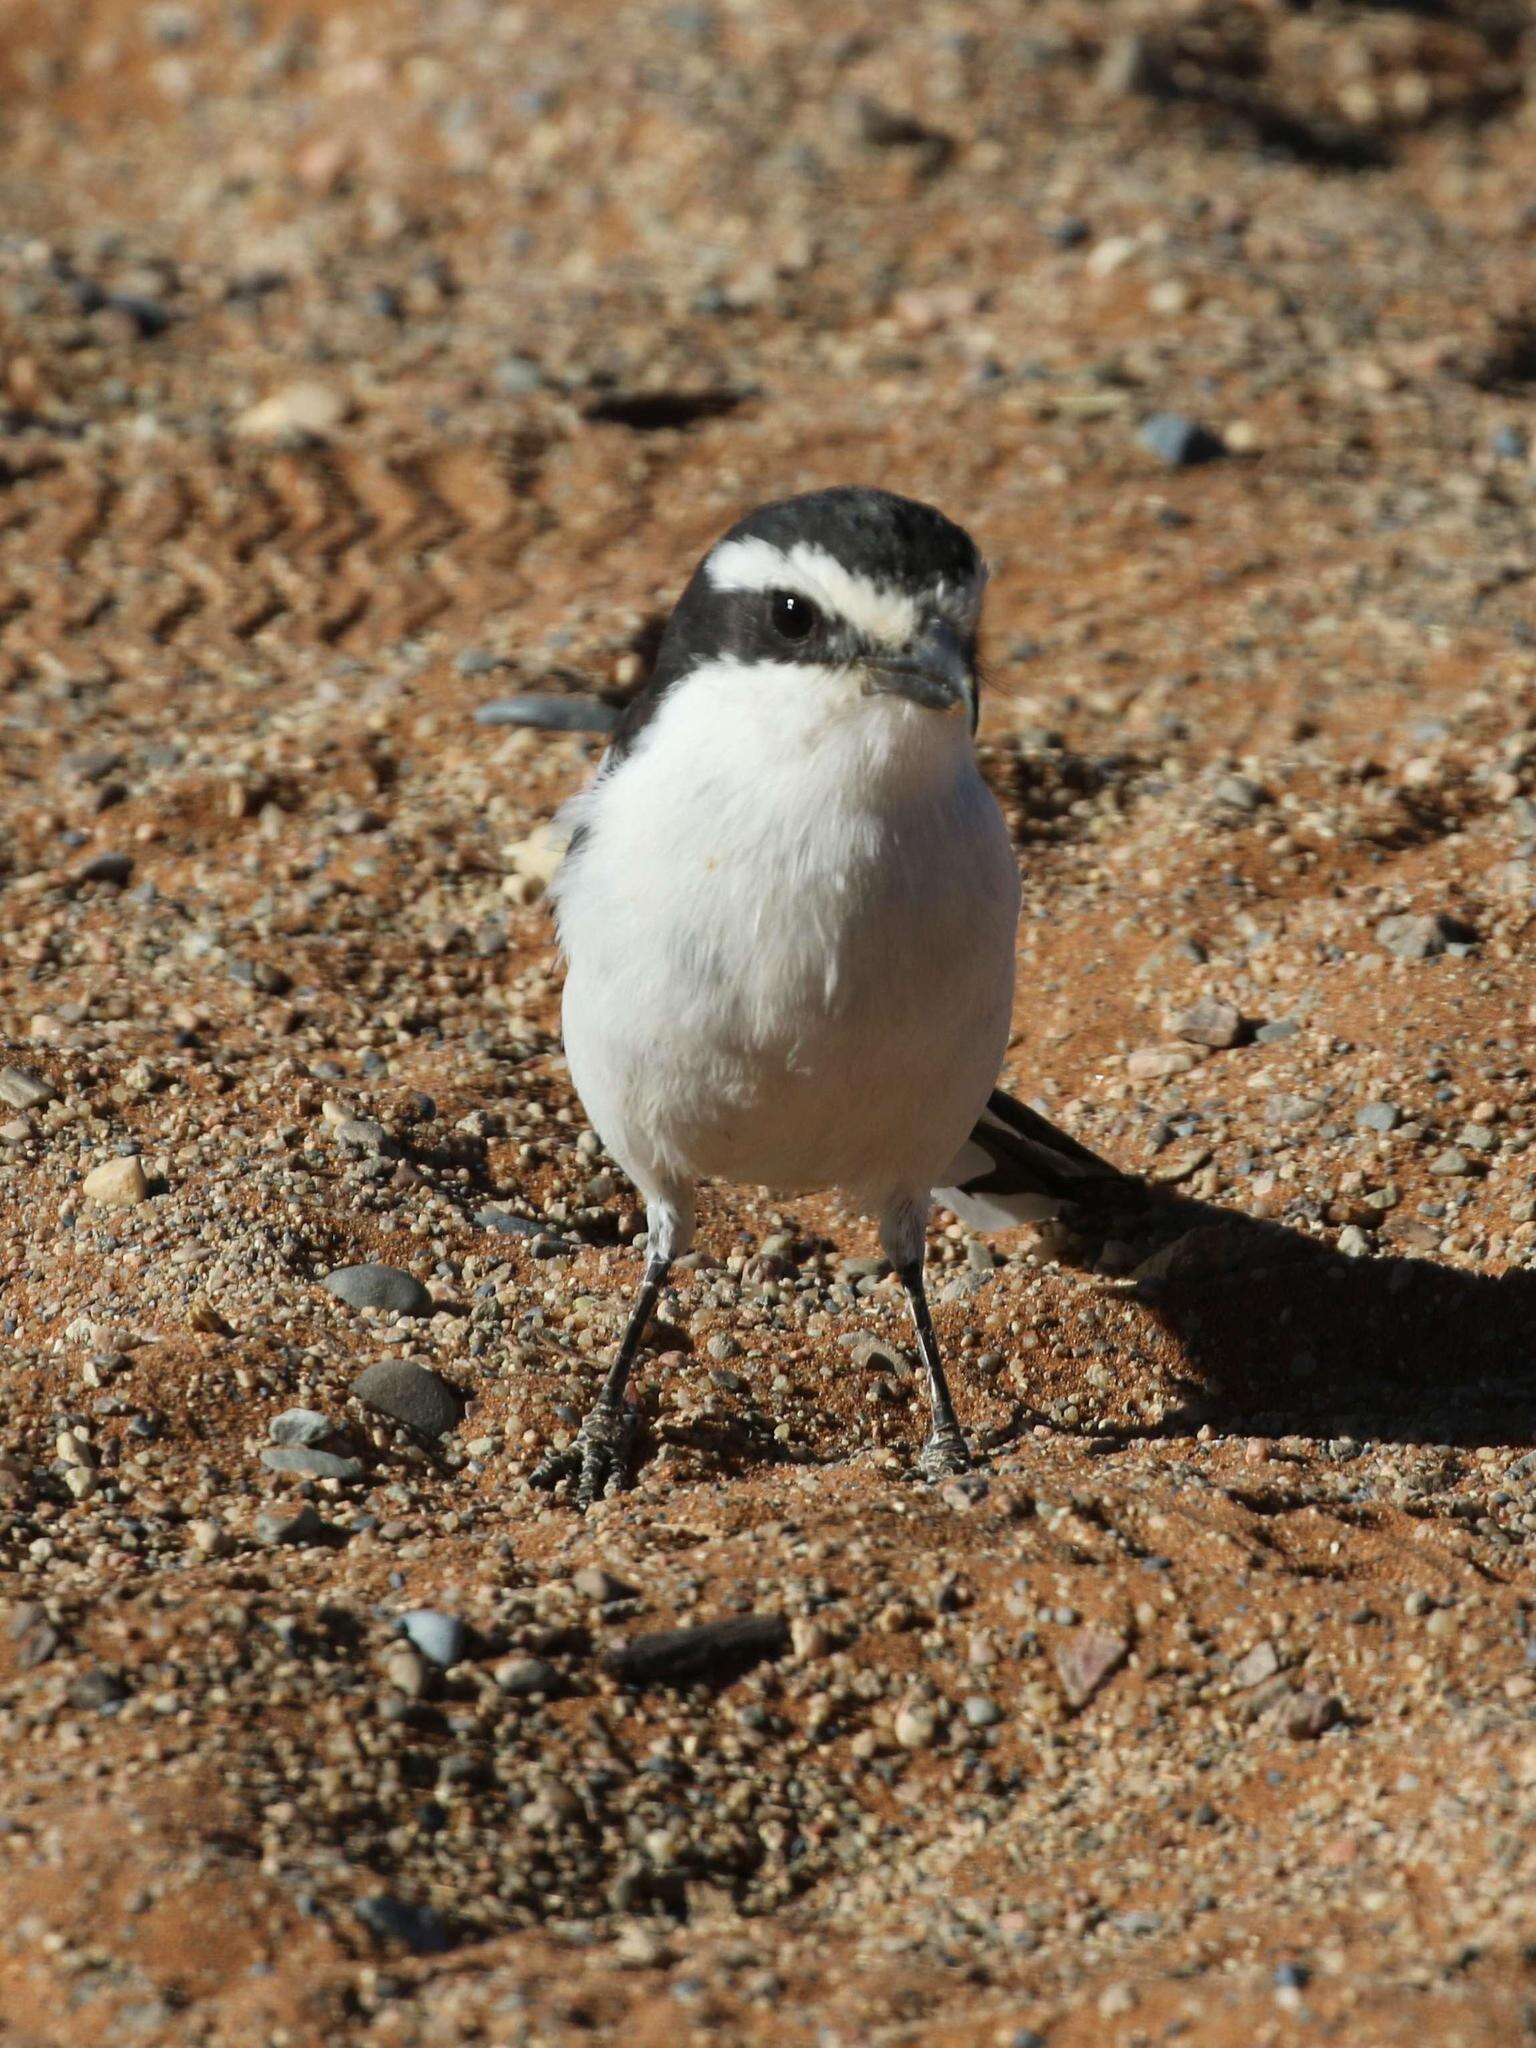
<point x="596" y="1457"/>
<point x="945" y="1454"/>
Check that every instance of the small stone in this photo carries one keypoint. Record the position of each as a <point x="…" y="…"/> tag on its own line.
<point x="523" y="1675"/>
<point x="595" y="1583"/>
<point x="808" y="1639"/>
<point x="406" y="1670"/>
<point x="548" y="713"/>
<point x="380" y="1287"/>
<point x="508" y="1224"/>
<point x="1378" y="1116"/>
<point x="114" y="869"/>
<point x="21" y="1090"/>
<point x="302" y="1461"/>
<point x="15" y="1132"/>
<point x="1417" y="1603"/>
<point x="1353" y="1242"/>
<point x="116" y="1183"/>
<point x="277" y="1527"/>
<point x="418" y="1928"/>
<point x="211" y="1538"/>
<point x="81" y="1481"/>
<point x="363" y="1134"/>
<point x="1277" y="1031"/>
<point x="305" y="1426"/>
<point x="916" y="1725"/>
<point x="1209" y="1022"/>
<point x="1411" y="937"/>
<point x="96" y="1688"/>
<point x="1452" y="1163"/>
<point x="1161" y="1062"/>
<point x="439" y="1637"/>
<point x="1311" y="1714"/>
<point x="1086" y="1659"/>
<point x="299" y="413"/>
<point x="712" y="1650"/>
<point x="1256" y="1667"/>
<point x="1179" y="441"/>
<point x="412" y="1394"/>
<point x="980" y="1711"/>
<point x="1240" y="793"/>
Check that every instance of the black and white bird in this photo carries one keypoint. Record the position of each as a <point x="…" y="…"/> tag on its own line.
<point x="788" y="912"/>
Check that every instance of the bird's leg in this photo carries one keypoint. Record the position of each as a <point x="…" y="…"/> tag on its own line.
<point x="945" y="1451"/>
<point x="596" y="1458"/>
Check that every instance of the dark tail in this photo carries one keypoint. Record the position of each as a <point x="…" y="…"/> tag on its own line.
<point x="1018" y="1168"/>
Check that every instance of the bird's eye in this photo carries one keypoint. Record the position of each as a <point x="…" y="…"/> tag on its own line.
<point x="794" y="617"/>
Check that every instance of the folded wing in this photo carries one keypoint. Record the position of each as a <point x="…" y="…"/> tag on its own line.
<point x="1016" y="1167"/>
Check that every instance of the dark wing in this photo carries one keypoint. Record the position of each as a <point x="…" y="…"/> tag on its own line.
<point x="1016" y="1167"/>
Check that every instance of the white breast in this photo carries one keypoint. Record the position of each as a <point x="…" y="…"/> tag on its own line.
<point x="790" y="928"/>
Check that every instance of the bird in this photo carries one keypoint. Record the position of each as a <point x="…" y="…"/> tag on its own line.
<point x="788" y="908"/>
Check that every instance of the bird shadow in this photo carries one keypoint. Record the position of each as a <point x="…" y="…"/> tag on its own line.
<point x="1282" y="1334"/>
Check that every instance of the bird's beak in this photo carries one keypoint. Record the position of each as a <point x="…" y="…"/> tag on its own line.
<point x="935" y="671"/>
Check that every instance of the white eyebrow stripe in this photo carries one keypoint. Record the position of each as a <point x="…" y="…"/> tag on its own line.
<point x="872" y="608"/>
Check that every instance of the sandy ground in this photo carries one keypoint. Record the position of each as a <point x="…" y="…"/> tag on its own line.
<point x="362" y="365"/>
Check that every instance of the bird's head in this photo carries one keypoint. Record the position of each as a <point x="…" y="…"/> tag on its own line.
<point x="866" y="603"/>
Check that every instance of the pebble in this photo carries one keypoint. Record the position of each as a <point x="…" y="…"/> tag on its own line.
<point x="1240" y="793"/>
<point x="305" y="411"/>
<point x="1086" y="1659"/>
<point x="916" y="1725"/>
<point x="549" y="713"/>
<point x="412" y="1394"/>
<point x="418" y="1928"/>
<point x="114" y="869"/>
<point x="116" y="1183"/>
<point x="1256" y="1667"/>
<point x="1311" y="1714"/>
<point x="380" y="1287"/>
<point x="980" y="1711"/>
<point x="305" y="1426"/>
<point x="439" y="1637"/>
<point x="1378" y="1116"/>
<point x="277" y="1526"/>
<point x="308" y="1463"/>
<point x="522" y="1675"/>
<point x="406" y="1670"/>
<point x="1452" y="1162"/>
<point x="596" y="1583"/>
<point x="1412" y="937"/>
<point x="1179" y="441"/>
<point x="1161" y="1062"/>
<point x="504" y="1221"/>
<point x="1209" y="1022"/>
<point x="1353" y="1242"/>
<point x="21" y="1090"/>
<point x="710" y="1650"/>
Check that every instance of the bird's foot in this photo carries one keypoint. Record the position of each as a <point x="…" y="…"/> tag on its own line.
<point x="596" y="1458"/>
<point x="945" y="1454"/>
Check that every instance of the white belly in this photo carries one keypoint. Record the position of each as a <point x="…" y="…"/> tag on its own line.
<point x="784" y="970"/>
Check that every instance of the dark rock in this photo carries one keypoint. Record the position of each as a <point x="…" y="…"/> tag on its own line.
<point x="507" y="1223"/>
<point x="1180" y="442"/>
<point x="419" y="1928"/>
<point x="712" y="1651"/>
<point x="115" y="869"/>
<point x="380" y="1287"/>
<point x="412" y="1394"/>
<point x="96" y="1688"/>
